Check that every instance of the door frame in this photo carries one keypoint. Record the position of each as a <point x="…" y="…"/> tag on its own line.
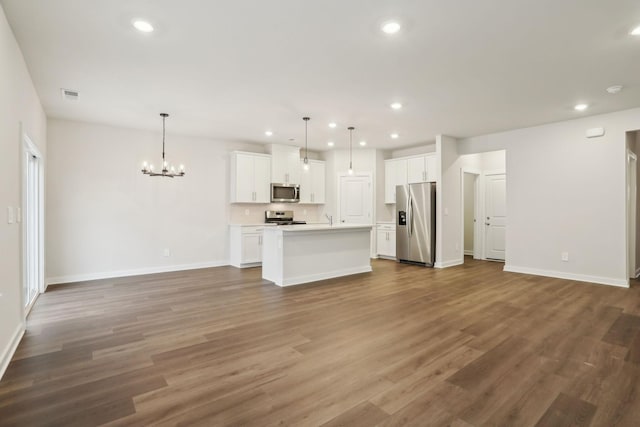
<point x="631" y="213"/>
<point x="30" y="149"/>
<point x="478" y="212"/>
<point x="485" y="174"/>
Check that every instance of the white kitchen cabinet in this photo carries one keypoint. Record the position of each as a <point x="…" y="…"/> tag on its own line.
<point x="312" y="182"/>
<point x="395" y="173"/>
<point x="245" y="245"/>
<point x="386" y="240"/>
<point x="421" y="168"/>
<point x="285" y="164"/>
<point x="250" y="178"/>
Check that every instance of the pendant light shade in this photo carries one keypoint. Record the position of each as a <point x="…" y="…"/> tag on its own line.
<point x="350" y="128"/>
<point x="306" y="158"/>
<point x="167" y="170"/>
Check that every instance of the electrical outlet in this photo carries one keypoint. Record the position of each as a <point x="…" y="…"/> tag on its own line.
<point x="167" y="252"/>
<point x="564" y="256"/>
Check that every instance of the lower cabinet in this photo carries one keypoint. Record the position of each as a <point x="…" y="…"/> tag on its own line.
<point x="245" y="246"/>
<point x="386" y="240"/>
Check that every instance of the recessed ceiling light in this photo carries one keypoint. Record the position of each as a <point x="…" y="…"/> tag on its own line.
<point x="581" y="107"/>
<point x="391" y="27"/>
<point x="614" y="89"/>
<point x="363" y="143"/>
<point x="635" y="31"/>
<point x="396" y="106"/>
<point x="395" y="136"/>
<point x="268" y="133"/>
<point x="331" y="143"/>
<point x="142" y="26"/>
<point x="332" y="125"/>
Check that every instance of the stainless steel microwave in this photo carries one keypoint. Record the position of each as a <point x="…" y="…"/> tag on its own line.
<point x="285" y="193"/>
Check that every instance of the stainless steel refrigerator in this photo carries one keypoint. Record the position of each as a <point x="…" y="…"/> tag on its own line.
<point x="416" y="223"/>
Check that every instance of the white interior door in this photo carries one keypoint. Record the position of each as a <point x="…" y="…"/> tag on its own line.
<point x="356" y="197"/>
<point x="496" y="216"/>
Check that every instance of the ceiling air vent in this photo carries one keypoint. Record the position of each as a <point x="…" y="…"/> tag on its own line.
<point x="69" y="95"/>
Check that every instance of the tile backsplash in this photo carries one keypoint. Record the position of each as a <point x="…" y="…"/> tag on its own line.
<point x="252" y="213"/>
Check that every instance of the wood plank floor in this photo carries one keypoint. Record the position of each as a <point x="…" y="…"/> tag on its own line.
<point x="404" y="345"/>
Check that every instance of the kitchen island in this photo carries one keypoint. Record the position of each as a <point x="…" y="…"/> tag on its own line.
<point x="298" y="254"/>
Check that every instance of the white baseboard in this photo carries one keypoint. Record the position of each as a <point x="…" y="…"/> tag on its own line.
<point x="569" y="276"/>
<point x="135" y="272"/>
<point x="450" y="263"/>
<point x="468" y="252"/>
<point x="11" y="348"/>
<point x="325" y="275"/>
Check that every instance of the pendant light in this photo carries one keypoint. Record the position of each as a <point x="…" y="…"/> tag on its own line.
<point x="167" y="170"/>
<point x="306" y="159"/>
<point x="351" y="128"/>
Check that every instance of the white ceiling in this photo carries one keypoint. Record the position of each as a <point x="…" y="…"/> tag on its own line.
<point x="231" y="69"/>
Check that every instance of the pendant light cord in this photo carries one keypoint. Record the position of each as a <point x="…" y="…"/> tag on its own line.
<point x="351" y="128"/>
<point x="306" y="151"/>
<point x="164" y="117"/>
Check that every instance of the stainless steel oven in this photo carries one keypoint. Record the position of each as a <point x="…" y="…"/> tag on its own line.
<point x="285" y="193"/>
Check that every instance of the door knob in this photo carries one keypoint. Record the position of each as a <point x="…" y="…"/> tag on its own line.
<point x="486" y="223"/>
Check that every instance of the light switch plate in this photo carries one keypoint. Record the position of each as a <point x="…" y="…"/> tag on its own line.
<point x="10" y="215"/>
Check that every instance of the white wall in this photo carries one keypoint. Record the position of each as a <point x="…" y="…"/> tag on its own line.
<point x="105" y="218"/>
<point x="20" y="111"/>
<point x="448" y="232"/>
<point x="565" y="193"/>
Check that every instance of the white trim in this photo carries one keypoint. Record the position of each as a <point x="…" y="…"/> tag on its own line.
<point x="134" y="272"/>
<point x="10" y="349"/>
<point x="468" y="252"/>
<point x="29" y="148"/>
<point x="390" y="258"/>
<point x="326" y="275"/>
<point x="569" y="276"/>
<point x="637" y="273"/>
<point x="450" y="263"/>
<point x="477" y="233"/>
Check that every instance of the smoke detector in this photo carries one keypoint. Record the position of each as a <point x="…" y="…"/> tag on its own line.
<point x="69" y="95"/>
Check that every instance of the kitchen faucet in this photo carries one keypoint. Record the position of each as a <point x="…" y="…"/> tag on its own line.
<point x="330" y="218"/>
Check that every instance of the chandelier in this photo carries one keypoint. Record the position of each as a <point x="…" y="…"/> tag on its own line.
<point x="167" y="170"/>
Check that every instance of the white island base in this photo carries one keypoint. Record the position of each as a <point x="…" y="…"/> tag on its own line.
<point x="307" y="253"/>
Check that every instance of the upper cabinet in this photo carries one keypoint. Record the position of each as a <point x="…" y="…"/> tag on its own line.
<point x="285" y="164"/>
<point x="312" y="182"/>
<point x="395" y="173"/>
<point x="407" y="170"/>
<point x="421" y="168"/>
<point x="250" y="177"/>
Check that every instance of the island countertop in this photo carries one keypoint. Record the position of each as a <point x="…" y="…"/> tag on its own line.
<point x="319" y="227"/>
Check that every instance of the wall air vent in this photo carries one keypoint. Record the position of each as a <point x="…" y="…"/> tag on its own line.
<point x="69" y="95"/>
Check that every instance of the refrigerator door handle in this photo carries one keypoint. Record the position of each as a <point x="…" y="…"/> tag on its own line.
<point x="410" y="215"/>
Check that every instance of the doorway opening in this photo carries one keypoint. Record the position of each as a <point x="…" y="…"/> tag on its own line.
<point x="32" y="224"/>
<point x="472" y="238"/>
<point x="632" y="208"/>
